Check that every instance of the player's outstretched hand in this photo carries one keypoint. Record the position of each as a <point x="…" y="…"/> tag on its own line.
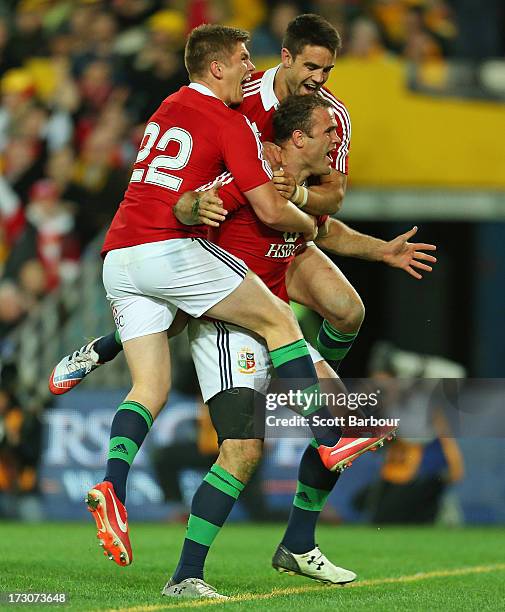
<point x="400" y="253"/>
<point x="201" y="208"/>
<point x="284" y="183"/>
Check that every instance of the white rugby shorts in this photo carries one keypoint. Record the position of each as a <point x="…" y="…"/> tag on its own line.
<point x="147" y="283"/>
<point x="227" y="356"/>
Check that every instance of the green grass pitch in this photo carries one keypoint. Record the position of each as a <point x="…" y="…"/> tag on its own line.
<point x="398" y="568"/>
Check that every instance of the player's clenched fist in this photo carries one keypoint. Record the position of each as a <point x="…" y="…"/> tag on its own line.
<point x="201" y="207"/>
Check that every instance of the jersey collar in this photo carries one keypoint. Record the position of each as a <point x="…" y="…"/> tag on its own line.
<point x="268" y="97"/>
<point x="203" y="89"/>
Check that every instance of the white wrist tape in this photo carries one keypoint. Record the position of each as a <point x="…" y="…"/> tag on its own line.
<point x="300" y="196"/>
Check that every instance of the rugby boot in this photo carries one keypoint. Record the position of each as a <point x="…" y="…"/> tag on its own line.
<point x="112" y="523"/>
<point x="312" y="564"/>
<point x="191" y="588"/>
<point x="73" y="368"/>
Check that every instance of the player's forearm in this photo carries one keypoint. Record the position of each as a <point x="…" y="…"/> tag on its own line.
<point x="288" y="218"/>
<point x="343" y="240"/>
<point x="186" y="208"/>
<point x="277" y="212"/>
<point x="325" y="199"/>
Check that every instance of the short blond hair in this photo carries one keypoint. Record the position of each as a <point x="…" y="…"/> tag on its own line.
<point x="209" y="42"/>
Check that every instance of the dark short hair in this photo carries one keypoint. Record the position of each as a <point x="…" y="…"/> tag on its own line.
<point x="311" y="29"/>
<point x="295" y="113"/>
<point x="208" y="42"/>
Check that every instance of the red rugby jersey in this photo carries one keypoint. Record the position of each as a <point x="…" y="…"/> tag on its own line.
<point x="260" y="103"/>
<point x="266" y="251"/>
<point x="190" y="140"/>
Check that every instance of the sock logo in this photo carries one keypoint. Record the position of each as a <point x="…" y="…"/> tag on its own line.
<point x="304" y="497"/>
<point x="119" y="448"/>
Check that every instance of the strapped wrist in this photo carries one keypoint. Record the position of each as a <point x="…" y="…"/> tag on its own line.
<point x="300" y="196"/>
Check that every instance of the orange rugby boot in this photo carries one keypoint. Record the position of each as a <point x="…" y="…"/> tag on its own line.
<point x="112" y="523"/>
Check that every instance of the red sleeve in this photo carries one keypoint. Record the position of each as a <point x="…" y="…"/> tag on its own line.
<point x="322" y="220"/>
<point x="243" y="154"/>
<point x="232" y="197"/>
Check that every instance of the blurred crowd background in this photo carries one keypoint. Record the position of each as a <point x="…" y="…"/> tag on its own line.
<point x="78" y="81"/>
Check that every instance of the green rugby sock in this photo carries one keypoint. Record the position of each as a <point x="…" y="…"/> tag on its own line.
<point x="334" y="344"/>
<point x="211" y="505"/>
<point x="315" y="484"/>
<point x="294" y="365"/>
<point x="129" y="428"/>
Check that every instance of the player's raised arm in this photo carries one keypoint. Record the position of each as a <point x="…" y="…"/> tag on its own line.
<point x="397" y="253"/>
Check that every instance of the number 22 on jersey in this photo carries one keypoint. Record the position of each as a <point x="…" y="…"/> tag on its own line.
<point x="155" y="173"/>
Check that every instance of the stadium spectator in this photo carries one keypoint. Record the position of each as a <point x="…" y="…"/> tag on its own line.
<point x="133" y="13"/>
<point x="364" y="40"/>
<point x="267" y="38"/>
<point x="12" y="309"/>
<point x="402" y="22"/>
<point x="29" y="38"/>
<point x="60" y="168"/>
<point x="100" y="42"/>
<point x="16" y="88"/>
<point x="48" y="236"/>
<point x="234" y="13"/>
<point x="20" y="448"/>
<point x="98" y="171"/>
<point x="32" y="279"/>
<point x="23" y="162"/>
<point x="96" y="87"/>
<point x="6" y="58"/>
<point x="158" y="67"/>
<point x="11" y="218"/>
<point x="425" y="460"/>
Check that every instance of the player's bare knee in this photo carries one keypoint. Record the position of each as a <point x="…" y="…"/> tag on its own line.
<point x="347" y="314"/>
<point x="282" y="315"/>
<point x="153" y="397"/>
<point x="356" y="313"/>
<point x="240" y="457"/>
<point x="276" y="320"/>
